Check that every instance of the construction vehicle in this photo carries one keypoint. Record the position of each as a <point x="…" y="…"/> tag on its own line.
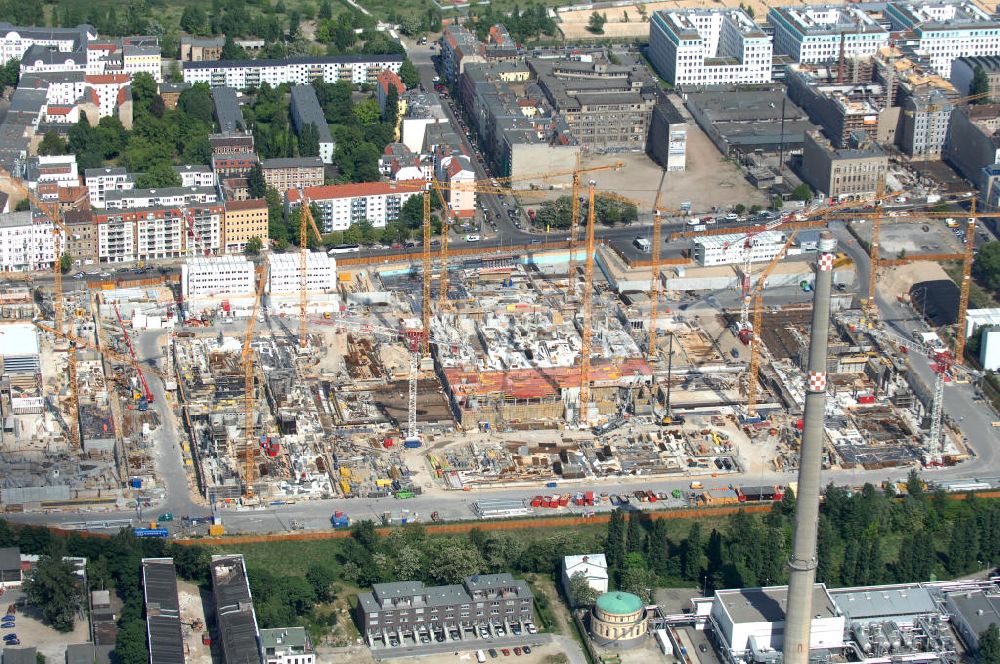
<point x="147" y="396"/>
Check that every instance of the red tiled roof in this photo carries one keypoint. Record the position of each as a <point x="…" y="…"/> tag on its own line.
<point x="387" y="77"/>
<point x="106" y="79"/>
<point x="331" y="191"/>
<point x="59" y="110"/>
<point x="250" y="204"/>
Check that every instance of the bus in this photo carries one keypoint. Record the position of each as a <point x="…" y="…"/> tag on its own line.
<point x="344" y="249"/>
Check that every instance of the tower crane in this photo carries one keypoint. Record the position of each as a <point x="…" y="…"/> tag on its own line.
<point x="79" y="342"/>
<point x="588" y="311"/>
<point x="758" y="314"/>
<point x="246" y="357"/>
<point x="306" y="223"/>
<point x="59" y="230"/>
<point x="147" y="395"/>
<point x="943" y="365"/>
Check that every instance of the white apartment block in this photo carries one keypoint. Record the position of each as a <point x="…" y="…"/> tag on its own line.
<point x="284" y="273"/>
<point x="107" y="92"/>
<point x="286" y="645"/>
<point x="43" y="60"/>
<point x="700" y="47"/>
<point x="60" y="169"/>
<point x="158" y="232"/>
<point x="164" y="197"/>
<point x="813" y="34"/>
<point x="216" y="276"/>
<point x="14" y="41"/>
<point x="26" y="242"/>
<point x="100" y="181"/>
<point x="193" y="175"/>
<point x="141" y="58"/>
<point x="456" y="171"/>
<point x="240" y="74"/>
<point x="946" y="30"/>
<point x="341" y="205"/>
<point x="732" y="249"/>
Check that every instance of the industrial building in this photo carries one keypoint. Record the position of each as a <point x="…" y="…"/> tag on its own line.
<point x="235" y="617"/>
<point x="822" y="33"/>
<point x="409" y="607"/>
<point x="305" y="110"/>
<point x="341" y="205"/>
<point x="842" y="106"/>
<point x="732" y="249"/>
<point x="604" y="104"/>
<point x="850" y="172"/>
<point x="163" y="613"/>
<point x="695" y="48"/>
<point x="743" y="121"/>
<point x="242" y="74"/>
<point x="946" y="30"/>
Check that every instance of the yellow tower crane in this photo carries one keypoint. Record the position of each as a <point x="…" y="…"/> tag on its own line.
<point x="306" y="223"/>
<point x="588" y="310"/>
<point x="246" y="357"/>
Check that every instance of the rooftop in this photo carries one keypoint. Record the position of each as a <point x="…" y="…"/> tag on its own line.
<point x="305" y="104"/>
<point x="10" y="558"/>
<point x="237" y="621"/>
<point x="292" y="162"/>
<point x="685" y="22"/>
<point x="825" y="20"/>
<point x="287" y="637"/>
<point x="871" y="603"/>
<point x="749" y="605"/>
<point x="227" y="109"/>
<point x="18" y="339"/>
<point x="332" y="191"/>
<point x="619" y="603"/>
<point x="941" y="15"/>
<point x="163" y="619"/>
<point x="329" y="59"/>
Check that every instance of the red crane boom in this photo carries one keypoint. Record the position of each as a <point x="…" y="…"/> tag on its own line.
<point x="135" y="362"/>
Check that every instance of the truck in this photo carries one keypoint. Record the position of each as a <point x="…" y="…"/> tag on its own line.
<point x="340" y="520"/>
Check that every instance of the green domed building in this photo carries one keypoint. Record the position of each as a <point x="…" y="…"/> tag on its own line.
<point x="618" y="620"/>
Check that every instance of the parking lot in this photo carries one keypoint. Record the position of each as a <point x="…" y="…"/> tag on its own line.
<point x="31" y="632"/>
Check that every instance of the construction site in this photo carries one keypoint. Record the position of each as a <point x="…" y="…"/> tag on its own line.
<point x="461" y="368"/>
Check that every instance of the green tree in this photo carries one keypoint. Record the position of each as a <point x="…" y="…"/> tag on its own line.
<point x="581" y="593"/>
<point x="364" y="533"/>
<point x="325" y="10"/>
<point x="197" y="103"/>
<point x="111" y="136"/>
<point x="159" y="174"/>
<point x="980" y="86"/>
<point x="614" y="545"/>
<point x="410" y="25"/>
<point x="256" y="186"/>
<point x="23" y="205"/>
<point x="52" y="144"/>
<point x="55" y="591"/>
<point x="986" y="266"/>
<point x="802" y="192"/>
<point x="309" y="140"/>
<point x="66" y="262"/>
<point x="85" y="144"/>
<point x="596" y="23"/>
<point x="409" y="75"/>
<point x="639" y="581"/>
<point x="193" y="20"/>
<point x="253" y="246"/>
<point x="450" y="561"/>
<point x="321" y="577"/>
<point x="130" y="646"/>
<point x="636" y="533"/>
<point x="232" y="51"/>
<point x="989" y="646"/>
<point x="693" y="560"/>
<point x="964" y="545"/>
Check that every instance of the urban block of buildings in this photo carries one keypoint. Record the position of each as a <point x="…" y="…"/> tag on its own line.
<point x="945" y="30"/>
<point x="242" y="74"/>
<point x="705" y="47"/>
<point x="853" y="171"/>
<point x="341" y="205"/>
<point x="292" y="173"/>
<point x="820" y="33"/>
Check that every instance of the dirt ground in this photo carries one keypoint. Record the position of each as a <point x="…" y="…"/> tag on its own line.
<point x="574" y="23"/>
<point x="708" y="181"/>
<point x="898" y="280"/>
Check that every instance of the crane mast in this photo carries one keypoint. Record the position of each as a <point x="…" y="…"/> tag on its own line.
<point x="588" y="310"/>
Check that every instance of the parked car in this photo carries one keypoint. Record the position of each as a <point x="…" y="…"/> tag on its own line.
<point x="493" y="653"/>
<point x="527" y="650"/>
<point x="505" y="651"/>
<point x="517" y="652"/>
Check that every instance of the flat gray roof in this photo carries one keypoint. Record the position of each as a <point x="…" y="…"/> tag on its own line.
<point x="884" y="602"/>
<point x="746" y="605"/>
<point x="10" y="558"/>
<point x="227" y="109"/>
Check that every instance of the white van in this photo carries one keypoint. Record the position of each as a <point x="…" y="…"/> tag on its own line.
<point x="480" y="656"/>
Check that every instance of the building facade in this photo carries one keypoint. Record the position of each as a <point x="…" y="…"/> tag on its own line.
<point x="409" y="607"/>
<point x="285" y="273"/>
<point x="244" y="220"/>
<point x="26" y="242"/>
<point x="341" y="205"/>
<point x="195" y="175"/>
<point x="217" y="276"/>
<point x="593" y="567"/>
<point x="286" y="645"/>
<point x="241" y="74"/>
<point x="14" y="40"/>
<point x="293" y="173"/>
<point x="305" y="110"/>
<point x="818" y="33"/>
<point x="732" y="249"/>
<point x="971" y="146"/>
<point x="841" y="173"/>
<point x="704" y="47"/>
<point x="946" y="29"/>
<point x="963" y="70"/>
<point x="99" y="181"/>
<point x="125" y="199"/>
<point x="155" y="232"/>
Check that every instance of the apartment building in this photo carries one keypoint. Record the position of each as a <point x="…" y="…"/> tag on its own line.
<point x="16" y="40"/>
<point x="284" y="274"/>
<point x="971" y="146"/>
<point x="816" y="33"/>
<point x="305" y="110"/>
<point x="195" y="175"/>
<point x="341" y="205"/>
<point x="926" y="114"/>
<point x="702" y="47"/>
<point x="233" y="164"/>
<point x="456" y="171"/>
<point x="141" y="54"/>
<point x="198" y="49"/>
<point x="125" y="199"/>
<point x="851" y="172"/>
<point x="946" y="29"/>
<point x="26" y="242"/>
<point x="217" y="276"/>
<point x="241" y="74"/>
<point x="100" y="181"/>
<point x="386" y="81"/>
<point x="603" y="104"/>
<point x="244" y="220"/>
<point x="459" y="47"/>
<point x="283" y="174"/>
<point x="156" y="232"/>
<point x="231" y="143"/>
<point x="81" y="241"/>
<point x="287" y="645"/>
<point x="732" y="249"/>
<point x="410" y="608"/>
<point x="58" y="169"/>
